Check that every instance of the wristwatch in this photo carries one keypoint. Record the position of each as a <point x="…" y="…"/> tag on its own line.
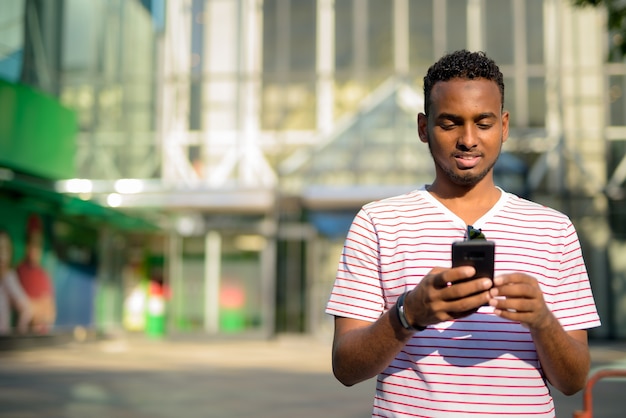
<point x="402" y="315"/>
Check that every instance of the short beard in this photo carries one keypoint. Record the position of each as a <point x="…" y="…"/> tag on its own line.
<point x="463" y="179"/>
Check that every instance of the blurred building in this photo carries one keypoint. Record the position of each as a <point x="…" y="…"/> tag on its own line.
<point x="249" y="132"/>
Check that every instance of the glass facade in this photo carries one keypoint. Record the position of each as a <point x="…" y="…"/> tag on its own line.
<point x="12" y="35"/>
<point x="421" y="34"/>
<point x="108" y="77"/>
<point x="499" y="36"/>
<point x="456" y="25"/>
<point x="302" y="93"/>
<point x="289" y="73"/>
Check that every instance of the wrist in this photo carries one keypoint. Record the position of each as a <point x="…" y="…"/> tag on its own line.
<point x="547" y="323"/>
<point x="401" y="313"/>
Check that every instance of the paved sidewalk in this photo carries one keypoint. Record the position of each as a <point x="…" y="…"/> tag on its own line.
<point x="287" y="377"/>
<point x="137" y="377"/>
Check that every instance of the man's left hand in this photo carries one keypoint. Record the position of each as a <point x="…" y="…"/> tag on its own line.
<point x="518" y="297"/>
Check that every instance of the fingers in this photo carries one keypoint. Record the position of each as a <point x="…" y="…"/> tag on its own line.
<point x="456" y="291"/>
<point x="513" y="278"/>
<point x="516" y="286"/>
<point x="460" y="282"/>
<point x="447" y="294"/>
<point x="456" y="296"/>
<point x="529" y="315"/>
<point x="518" y="297"/>
<point x="449" y="277"/>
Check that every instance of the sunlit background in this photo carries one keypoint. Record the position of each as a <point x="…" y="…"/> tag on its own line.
<point x="197" y="163"/>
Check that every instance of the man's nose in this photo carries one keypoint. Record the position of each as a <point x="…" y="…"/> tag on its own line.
<point x="468" y="138"/>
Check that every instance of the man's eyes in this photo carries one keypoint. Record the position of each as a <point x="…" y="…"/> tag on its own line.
<point x="450" y="126"/>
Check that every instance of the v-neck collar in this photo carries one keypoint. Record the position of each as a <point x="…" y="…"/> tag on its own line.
<point x="480" y="223"/>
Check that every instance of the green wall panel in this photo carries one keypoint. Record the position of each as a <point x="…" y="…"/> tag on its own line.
<point x="37" y="134"/>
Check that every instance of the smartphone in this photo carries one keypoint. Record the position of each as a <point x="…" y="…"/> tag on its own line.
<point x="478" y="253"/>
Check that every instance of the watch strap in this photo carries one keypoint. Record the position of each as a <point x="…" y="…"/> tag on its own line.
<point x="402" y="316"/>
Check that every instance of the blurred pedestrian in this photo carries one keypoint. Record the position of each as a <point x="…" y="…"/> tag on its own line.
<point x="35" y="280"/>
<point x="12" y="296"/>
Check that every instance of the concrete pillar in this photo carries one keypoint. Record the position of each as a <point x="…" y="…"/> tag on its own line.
<point x="325" y="65"/>
<point x="212" y="275"/>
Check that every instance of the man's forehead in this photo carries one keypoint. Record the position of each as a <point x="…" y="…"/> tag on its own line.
<point x="478" y="88"/>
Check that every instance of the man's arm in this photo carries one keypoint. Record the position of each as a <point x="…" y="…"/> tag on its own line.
<point x="362" y="349"/>
<point x="564" y="356"/>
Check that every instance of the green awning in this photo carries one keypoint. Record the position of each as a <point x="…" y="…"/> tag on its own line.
<point x="36" y="194"/>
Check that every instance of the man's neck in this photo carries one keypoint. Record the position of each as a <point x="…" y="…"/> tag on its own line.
<point x="468" y="203"/>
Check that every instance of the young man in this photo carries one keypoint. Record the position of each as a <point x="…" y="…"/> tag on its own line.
<point x="442" y="345"/>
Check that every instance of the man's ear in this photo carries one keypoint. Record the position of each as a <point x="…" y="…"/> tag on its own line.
<point x="422" y="127"/>
<point x="505" y="126"/>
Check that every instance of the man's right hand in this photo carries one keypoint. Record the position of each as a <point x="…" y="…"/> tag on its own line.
<point x="445" y="295"/>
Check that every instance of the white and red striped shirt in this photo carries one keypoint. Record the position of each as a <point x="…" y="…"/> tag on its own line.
<point x="480" y="365"/>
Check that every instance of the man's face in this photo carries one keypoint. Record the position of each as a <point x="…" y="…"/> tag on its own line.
<point x="465" y="129"/>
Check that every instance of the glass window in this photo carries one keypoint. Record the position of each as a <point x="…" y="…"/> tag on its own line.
<point x="79" y="35"/>
<point x="108" y="78"/>
<point x="421" y="39"/>
<point x="348" y="94"/>
<point x="11" y="33"/>
<point x="614" y="42"/>
<point x="499" y="30"/>
<point x="536" y="102"/>
<point x="288" y="106"/>
<point x="289" y="35"/>
<point x="534" y="31"/>
<point x="196" y="65"/>
<point x="302" y="36"/>
<point x="456" y="25"/>
<point x="344" y="27"/>
<point x="509" y="99"/>
<point x="380" y="47"/>
<point x="289" y="63"/>
<point x="240" y="289"/>
<point x="363" y="50"/>
<point x="617" y="208"/>
<point x="270" y="36"/>
<point x="616" y="100"/>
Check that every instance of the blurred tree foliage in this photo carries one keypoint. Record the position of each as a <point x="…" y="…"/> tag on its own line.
<point x="616" y="24"/>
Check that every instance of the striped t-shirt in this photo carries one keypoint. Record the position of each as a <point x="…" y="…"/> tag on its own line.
<point x="480" y="365"/>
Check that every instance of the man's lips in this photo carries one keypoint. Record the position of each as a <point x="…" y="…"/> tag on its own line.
<point x="465" y="161"/>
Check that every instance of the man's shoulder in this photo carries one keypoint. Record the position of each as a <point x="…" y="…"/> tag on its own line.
<point x="525" y="205"/>
<point x="401" y="200"/>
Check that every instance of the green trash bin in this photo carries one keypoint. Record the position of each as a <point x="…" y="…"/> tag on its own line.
<point x="232" y="308"/>
<point x="232" y="320"/>
<point x="155" y="311"/>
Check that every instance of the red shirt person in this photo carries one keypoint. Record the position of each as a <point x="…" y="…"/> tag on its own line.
<point x="34" y="279"/>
